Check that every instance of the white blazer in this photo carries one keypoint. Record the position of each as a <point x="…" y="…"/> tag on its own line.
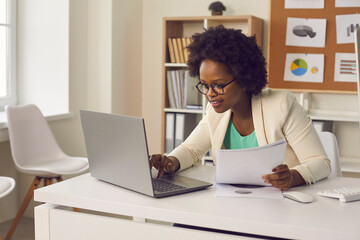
<point x="276" y="115"/>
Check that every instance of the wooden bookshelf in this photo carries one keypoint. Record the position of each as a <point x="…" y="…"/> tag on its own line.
<point x="185" y="27"/>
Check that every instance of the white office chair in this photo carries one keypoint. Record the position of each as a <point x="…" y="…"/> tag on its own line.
<point x="331" y="147"/>
<point x="36" y="152"/>
<point x="6" y="186"/>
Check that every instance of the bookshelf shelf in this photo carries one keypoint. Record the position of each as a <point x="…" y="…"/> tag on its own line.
<point x="176" y="110"/>
<point x="175" y="65"/>
<point x="179" y="30"/>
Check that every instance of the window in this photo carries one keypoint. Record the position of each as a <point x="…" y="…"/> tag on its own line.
<point x="7" y="53"/>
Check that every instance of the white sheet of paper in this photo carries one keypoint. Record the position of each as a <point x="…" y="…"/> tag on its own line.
<point x="345" y="67"/>
<point x="308" y="32"/>
<point x="304" y="4"/>
<point x="347" y="3"/>
<point x="345" y="27"/>
<point x="301" y="67"/>
<point x="226" y="190"/>
<point x="247" y="166"/>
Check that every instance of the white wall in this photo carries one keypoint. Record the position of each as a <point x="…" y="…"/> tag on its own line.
<point x="114" y="56"/>
<point x="43" y="56"/>
<point x="99" y="55"/>
<point x="127" y="57"/>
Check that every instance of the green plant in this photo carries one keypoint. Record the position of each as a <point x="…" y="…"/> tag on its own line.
<point x="217" y="8"/>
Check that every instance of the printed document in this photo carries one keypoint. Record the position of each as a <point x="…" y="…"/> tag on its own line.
<point x="247" y="166"/>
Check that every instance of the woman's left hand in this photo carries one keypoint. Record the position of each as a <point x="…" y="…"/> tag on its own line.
<point x="281" y="178"/>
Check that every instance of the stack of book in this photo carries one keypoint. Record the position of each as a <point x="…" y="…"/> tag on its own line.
<point x="182" y="91"/>
<point x="177" y="49"/>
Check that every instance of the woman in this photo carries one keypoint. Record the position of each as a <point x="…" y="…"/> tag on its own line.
<point x="242" y="114"/>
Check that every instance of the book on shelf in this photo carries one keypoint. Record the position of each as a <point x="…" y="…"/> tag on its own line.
<point x="186" y="42"/>
<point x="171" y="51"/>
<point x="192" y="96"/>
<point x="170" y="90"/>
<point x="170" y="132"/>
<point x="180" y="49"/>
<point x="176" y="50"/>
<point x="176" y="88"/>
<point x="180" y="85"/>
<point x="178" y="127"/>
<point x="184" y="125"/>
<point x="181" y="89"/>
<point x="183" y="42"/>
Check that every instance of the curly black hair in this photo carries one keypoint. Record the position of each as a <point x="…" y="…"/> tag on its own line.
<point x="238" y="52"/>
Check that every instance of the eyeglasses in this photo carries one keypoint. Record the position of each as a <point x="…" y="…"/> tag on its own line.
<point x="217" y="88"/>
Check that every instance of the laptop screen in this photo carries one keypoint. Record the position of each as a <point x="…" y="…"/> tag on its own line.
<point x="117" y="150"/>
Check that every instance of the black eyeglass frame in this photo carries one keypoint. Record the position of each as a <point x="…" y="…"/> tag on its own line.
<point x="222" y="86"/>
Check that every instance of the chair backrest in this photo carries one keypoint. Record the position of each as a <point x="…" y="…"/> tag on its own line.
<point x="331" y="147"/>
<point x="7" y="184"/>
<point x="31" y="139"/>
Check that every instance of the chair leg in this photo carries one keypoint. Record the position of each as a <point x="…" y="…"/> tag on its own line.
<point x="76" y="209"/>
<point x="45" y="182"/>
<point x="25" y="203"/>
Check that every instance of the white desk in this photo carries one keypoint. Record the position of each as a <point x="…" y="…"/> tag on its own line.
<point x="322" y="219"/>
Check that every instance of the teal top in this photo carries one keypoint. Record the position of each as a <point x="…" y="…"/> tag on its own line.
<point x="233" y="139"/>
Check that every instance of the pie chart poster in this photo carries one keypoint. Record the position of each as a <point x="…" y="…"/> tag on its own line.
<point x="306" y="32"/>
<point x="304" y="68"/>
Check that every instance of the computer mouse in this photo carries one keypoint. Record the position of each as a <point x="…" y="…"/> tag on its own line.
<point x="298" y="196"/>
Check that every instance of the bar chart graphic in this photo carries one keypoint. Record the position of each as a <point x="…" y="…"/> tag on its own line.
<point x="347" y="66"/>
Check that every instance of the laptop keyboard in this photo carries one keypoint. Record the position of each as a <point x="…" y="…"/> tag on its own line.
<point x="164" y="186"/>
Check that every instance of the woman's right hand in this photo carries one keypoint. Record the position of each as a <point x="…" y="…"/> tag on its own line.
<point x="164" y="164"/>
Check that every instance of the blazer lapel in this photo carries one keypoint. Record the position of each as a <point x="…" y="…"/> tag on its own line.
<point x="258" y="118"/>
<point x="220" y="131"/>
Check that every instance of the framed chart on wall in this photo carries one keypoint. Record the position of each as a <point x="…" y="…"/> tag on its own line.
<point x="311" y="46"/>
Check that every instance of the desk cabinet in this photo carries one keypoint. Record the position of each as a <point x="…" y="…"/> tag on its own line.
<point x="58" y="223"/>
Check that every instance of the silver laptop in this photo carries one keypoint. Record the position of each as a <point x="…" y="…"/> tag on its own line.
<point x="117" y="150"/>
